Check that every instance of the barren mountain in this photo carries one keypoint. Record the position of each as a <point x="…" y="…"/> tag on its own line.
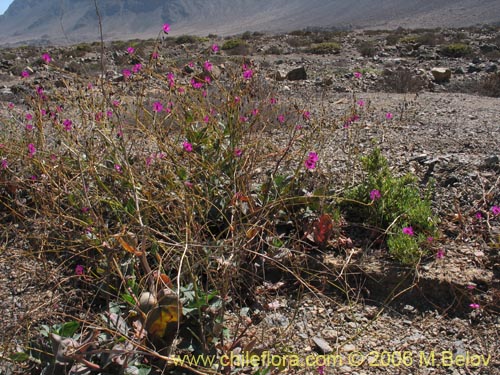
<point x="60" y="21"/>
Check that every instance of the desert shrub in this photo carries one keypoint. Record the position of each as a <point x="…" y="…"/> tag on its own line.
<point x="186" y="39"/>
<point x="325" y="48"/>
<point x="367" y="48"/>
<point x="430" y="38"/>
<point x="394" y="204"/>
<point x="236" y="47"/>
<point x="392" y="39"/>
<point x="402" y="80"/>
<point x="456" y="50"/>
<point x="490" y="85"/>
<point x="298" y="41"/>
<point x="274" y="50"/>
<point x="232" y="43"/>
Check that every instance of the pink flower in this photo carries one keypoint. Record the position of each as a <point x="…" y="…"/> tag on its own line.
<point x="4" y="164"/>
<point x="46" y="57"/>
<point x="126" y="73"/>
<point x="11" y="105"/>
<point x="375" y="194"/>
<point x="281" y="119"/>
<point x="31" y="149"/>
<point x="357" y="75"/>
<point x="313" y="156"/>
<point x="471" y="286"/>
<point x="79" y="270"/>
<point x="29" y="116"/>
<point x="306" y="115"/>
<point x="171" y="79"/>
<point x="206" y="119"/>
<point x="255" y="112"/>
<point x="187" y="146"/>
<point x="208" y="66"/>
<point x="273" y="100"/>
<point x="408" y="231"/>
<point x="388" y="115"/>
<point x="116" y="103"/>
<point x="98" y="116"/>
<point x="118" y="168"/>
<point x="311" y="161"/>
<point x="166" y="28"/>
<point x="237" y="99"/>
<point x="154" y="55"/>
<point x="188" y="184"/>
<point x="430" y="239"/>
<point x="137" y="68"/>
<point x="361" y="102"/>
<point x="196" y="85"/>
<point x="247" y="74"/>
<point x="109" y="113"/>
<point x="495" y="210"/>
<point x="68" y="124"/>
<point x="238" y="152"/>
<point x="157" y="107"/>
<point x="440" y="254"/>
<point x="215" y="48"/>
<point x="478" y="215"/>
<point x="29" y="127"/>
<point x="130" y="50"/>
<point x="474" y="306"/>
<point x="25" y="74"/>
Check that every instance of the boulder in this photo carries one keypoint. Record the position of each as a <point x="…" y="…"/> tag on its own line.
<point x="298" y="74"/>
<point x="441" y="74"/>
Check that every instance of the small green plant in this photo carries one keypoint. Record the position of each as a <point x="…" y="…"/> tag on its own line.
<point x="232" y="43"/>
<point x="456" y="50"/>
<point x="367" y="48"/>
<point x="325" y="48"/>
<point x="396" y="205"/>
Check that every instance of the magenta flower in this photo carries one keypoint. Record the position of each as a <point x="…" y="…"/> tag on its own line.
<point x="157" y="107"/>
<point x="116" y="103"/>
<point x="474" y="306"/>
<point x="154" y="55"/>
<point x="495" y="210"/>
<point x="306" y="115"/>
<point x="126" y="73"/>
<point x="238" y="152"/>
<point x="388" y="115"/>
<point x="471" y="286"/>
<point x="247" y="74"/>
<point x="171" y="79"/>
<point x="25" y="74"/>
<point x="408" y="231"/>
<point x="29" y="116"/>
<point x="109" y="113"/>
<point x="166" y="28"/>
<point x="440" y="254"/>
<point x="118" y="168"/>
<point x="255" y="112"/>
<point x="187" y="146"/>
<point x="68" y="124"/>
<point x="357" y="75"/>
<point x="273" y="100"/>
<point x="208" y="66"/>
<point x="361" y="102"/>
<point x="130" y="50"/>
<point x="310" y="162"/>
<point x="196" y="85"/>
<point x="375" y="195"/>
<point x="313" y="156"/>
<point x="4" y="164"/>
<point x="281" y="119"/>
<point x="215" y="48"/>
<point x="29" y="127"/>
<point x="478" y="215"/>
<point x="31" y="149"/>
<point x="79" y="269"/>
<point x="11" y="105"/>
<point x="137" y="68"/>
<point x="46" y="57"/>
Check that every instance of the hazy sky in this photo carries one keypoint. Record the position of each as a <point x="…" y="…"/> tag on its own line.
<point x="4" y="4"/>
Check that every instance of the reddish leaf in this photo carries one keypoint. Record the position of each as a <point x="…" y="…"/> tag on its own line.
<point x="323" y="229"/>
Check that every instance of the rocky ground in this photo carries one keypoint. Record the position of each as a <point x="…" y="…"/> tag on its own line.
<point x="393" y="321"/>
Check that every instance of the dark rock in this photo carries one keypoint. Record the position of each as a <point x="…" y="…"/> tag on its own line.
<point x="491" y="68"/>
<point x="298" y="74"/>
<point x="473" y="68"/>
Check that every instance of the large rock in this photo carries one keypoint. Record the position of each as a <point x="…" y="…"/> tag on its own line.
<point x="298" y="74"/>
<point x="441" y="74"/>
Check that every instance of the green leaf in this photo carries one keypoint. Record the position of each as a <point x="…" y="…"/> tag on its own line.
<point x="128" y="298"/>
<point x="68" y="329"/>
<point x="19" y="357"/>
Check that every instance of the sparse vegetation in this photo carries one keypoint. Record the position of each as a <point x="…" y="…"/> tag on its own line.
<point x="325" y="48"/>
<point x="456" y="50"/>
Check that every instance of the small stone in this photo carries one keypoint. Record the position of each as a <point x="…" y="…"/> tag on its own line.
<point x="322" y="345"/>
<point x="298" y="74"/>
<point x="349" y="348"/>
